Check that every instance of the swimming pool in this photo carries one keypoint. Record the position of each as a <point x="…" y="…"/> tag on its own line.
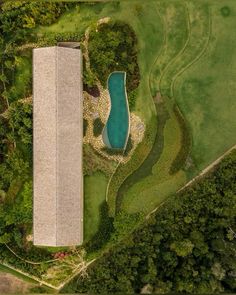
<point x="116" y="131"/>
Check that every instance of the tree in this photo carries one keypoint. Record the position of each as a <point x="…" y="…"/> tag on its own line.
<point x="182" y="248"/>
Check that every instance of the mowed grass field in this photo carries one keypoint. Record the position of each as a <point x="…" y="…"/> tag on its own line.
<point x="206" y="91"/>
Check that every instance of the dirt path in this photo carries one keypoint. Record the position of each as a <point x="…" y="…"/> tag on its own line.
<point x="10" y="284"/>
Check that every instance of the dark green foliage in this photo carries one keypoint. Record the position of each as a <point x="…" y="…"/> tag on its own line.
<point x="125" y="223"/>
<point x="187" y="246"/>
<point x="89" y="78"/>
<point x="32" y="254"/>
<point x="186" y="142"/>
<point x="104" y="231"/>
<point x="85" y="126"/>
<point x="225" y="11"/>
<point x="41" y="290"/>
<point x="132" y="96"/>
<point x="51" y="39"/>
<point x="97" y="127"/>
<point x="14" y="167"/>
<point x="19" y="17"/>
<point x="129" y="146"/>
<point x="114" y="48"/>
<point x="20" y="120"/>
<point x="3" y="144"/>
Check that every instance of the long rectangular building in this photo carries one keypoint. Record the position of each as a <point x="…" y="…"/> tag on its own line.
<point x="57" y="146"/>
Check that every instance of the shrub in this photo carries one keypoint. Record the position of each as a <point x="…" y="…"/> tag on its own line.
<point x="97" y="127"/>
<point x="225" y="11"/>
<point x="85" y="126"/>
<point x="132" y="96"/>
<point x="129" y="146"/>
<point x="93" y="161"/>
<point x="186" y="142"/>
<point x="89" y="78"/>
<point x="113" y="47"/>
<point x="104" y="231"/>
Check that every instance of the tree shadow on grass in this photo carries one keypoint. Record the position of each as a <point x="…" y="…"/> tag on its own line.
<point x="104" y="232"/>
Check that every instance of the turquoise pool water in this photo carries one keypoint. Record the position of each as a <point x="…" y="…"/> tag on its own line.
<point x="116" y="130"/>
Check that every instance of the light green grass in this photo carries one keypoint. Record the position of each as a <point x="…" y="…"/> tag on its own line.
<point x="206" y="91"/>
<point x="94" y="196"/>
<point x="199" y="33"/>
<point x="152" y="192"/>
<point x="149" y="31"/>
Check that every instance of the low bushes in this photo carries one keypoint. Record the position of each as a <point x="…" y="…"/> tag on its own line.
<point x="97" y="127"/>
<point x="113" y="152"/>
<point x="94" y="162"/>
<point x="132" y="96"/>
<point x="85" y="126"/>
<point x="186" y="142"/>
<point x="104" y="231"/>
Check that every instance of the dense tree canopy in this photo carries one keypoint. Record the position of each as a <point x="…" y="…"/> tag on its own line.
<point x="188" y="246"/>
<point x="20" y="121"/>
<point x="113" y="47"/>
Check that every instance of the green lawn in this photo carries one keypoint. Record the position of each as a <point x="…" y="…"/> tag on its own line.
<point x="206" y="91"/>
<point x="176" y="34"/>
<point x="94" y="196"/>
